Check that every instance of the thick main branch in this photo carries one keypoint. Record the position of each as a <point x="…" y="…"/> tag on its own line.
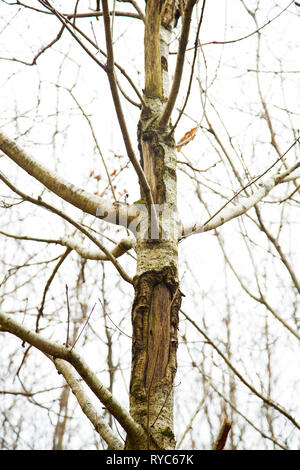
<point x="87" y="202"/>
<point x="184" y="37"/>
<point x="153" y="77"/>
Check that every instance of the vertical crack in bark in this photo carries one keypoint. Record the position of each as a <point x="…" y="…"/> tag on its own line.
<point x="155" y="323"/>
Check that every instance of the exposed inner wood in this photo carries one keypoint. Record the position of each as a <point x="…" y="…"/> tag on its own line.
<point x="158" y="338"/>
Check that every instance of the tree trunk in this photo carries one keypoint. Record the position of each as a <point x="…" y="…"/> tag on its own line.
<point x="157" y="295"/>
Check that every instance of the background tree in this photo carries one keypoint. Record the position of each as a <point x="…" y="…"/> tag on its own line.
<point x="197" y="121"/>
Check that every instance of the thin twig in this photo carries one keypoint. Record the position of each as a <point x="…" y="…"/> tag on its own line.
<point x="166" y="316"/>
<point x="34" y="239"/>
<point x="97" y="14"/>
<point x="87" y="320"/>
<point x="95" y="140"/>
<point x="123" y="333"/>
<point x="79" y="227"/>
<point x="57" y="351"/>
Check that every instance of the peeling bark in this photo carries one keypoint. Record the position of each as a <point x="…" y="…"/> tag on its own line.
<point x="155" y="323"/>
<point x="157" y="295"/>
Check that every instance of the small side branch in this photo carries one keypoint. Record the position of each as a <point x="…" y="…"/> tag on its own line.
<point x="222" y="436"/>
<point x="48" y="283"/>
<point x="87" y="407"/>
<point x="225" y="214"/>
<point x="76" y="196"/>
<point x="95" y="14"/>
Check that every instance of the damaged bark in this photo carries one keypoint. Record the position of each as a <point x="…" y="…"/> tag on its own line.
<point x="157" y="298"/>
<point x="157" y="295"/>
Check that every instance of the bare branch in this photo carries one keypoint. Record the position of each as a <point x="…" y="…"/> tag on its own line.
<point x="121" y="119"/>
<point x="78" y="197"/>
<point x="222" y="436"/>
<point x="58" y="351"/>
<point x="265" y="399"/>
<point x="48" y="283"/>
<point x="248" y="202"/>
<point x="79" y="227"/>
<point x="87" y="407"/>
<point x="192" y="70"/>
<point x="118" y="107"/>
<point x="122" y="247"/>
<point x="66" y="22"/>
<point x="96" y="14"/>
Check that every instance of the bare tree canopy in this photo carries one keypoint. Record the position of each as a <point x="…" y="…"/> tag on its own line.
<point x="150" y="225"/>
